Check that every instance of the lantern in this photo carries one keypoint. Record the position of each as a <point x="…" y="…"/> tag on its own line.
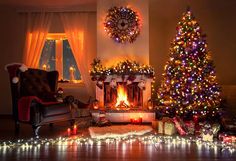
<point x="95" y="104"/>
<point x="150" y="104"/>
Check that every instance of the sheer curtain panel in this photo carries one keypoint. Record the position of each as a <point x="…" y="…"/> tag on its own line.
<point x="77" y="32"/>
<point x="37" y="29"/>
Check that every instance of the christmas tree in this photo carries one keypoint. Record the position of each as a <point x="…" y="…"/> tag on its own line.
<point x="189" y="82"/>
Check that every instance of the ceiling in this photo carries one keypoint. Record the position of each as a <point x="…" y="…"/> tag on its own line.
<point x="47" y="3"/>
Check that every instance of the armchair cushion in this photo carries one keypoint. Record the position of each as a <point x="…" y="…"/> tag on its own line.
<point x="55" y="109"/>
<point x="24" y="105"/>
<point x="39" y="83"/>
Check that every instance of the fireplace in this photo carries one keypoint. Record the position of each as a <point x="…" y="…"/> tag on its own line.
<point x="124" y="95"/>
<point x="123" y="91"/>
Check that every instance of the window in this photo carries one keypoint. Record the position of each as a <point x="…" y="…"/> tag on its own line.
<point x="57" y="55"/>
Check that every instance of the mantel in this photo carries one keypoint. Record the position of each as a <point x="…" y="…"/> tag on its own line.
<point x="124" y="78"/>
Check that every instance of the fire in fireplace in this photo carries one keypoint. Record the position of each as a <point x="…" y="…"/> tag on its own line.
<point x="124" y="96"/>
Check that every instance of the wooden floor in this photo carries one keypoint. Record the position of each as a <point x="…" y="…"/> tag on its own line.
<point x="135" y="151"/>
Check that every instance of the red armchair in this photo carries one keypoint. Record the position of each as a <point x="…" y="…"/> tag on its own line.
<point x="33" y="97"/>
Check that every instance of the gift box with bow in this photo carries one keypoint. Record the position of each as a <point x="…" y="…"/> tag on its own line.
<point x="166" y="126"/>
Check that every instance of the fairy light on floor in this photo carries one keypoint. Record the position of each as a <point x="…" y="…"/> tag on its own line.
<point x="154" y="139"/>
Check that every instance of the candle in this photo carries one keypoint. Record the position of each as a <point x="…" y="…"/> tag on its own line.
<point x="140" y="119"/>
<point x="95" y="104"/>
<point x="136" y="120"/>
<point x="74" y="129"/>
<point x="131" y="120"/>
<point x="72" y="76"/>
<point x="68" y="132"/>
<point x="44" y="67"/>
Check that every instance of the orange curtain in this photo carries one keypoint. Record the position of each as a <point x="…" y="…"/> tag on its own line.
<point x="76" y="29"/>
<point x="36" y="32"/>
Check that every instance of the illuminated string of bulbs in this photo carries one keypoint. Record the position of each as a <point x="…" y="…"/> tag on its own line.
<point x="146" y="140"/>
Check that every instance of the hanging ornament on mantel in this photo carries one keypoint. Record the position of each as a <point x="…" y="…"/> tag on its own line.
<point x="113" y="83"/>
<point x="122" y="24"/>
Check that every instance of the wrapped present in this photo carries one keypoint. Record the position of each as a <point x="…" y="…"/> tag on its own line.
<point x="198" y="128"/>
<point x="190" y="126"/>
<point x="216" y="129"/>
<point x="180" y="126"/>
<point x="227" y="138"/>
<point x="207" y="133"/>
<point x="155" y="125"/>
<point x="166" y="126"/>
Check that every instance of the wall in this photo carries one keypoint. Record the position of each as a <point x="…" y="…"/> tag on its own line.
<point x="11" y="45"/>
<point x="108" y="50"/>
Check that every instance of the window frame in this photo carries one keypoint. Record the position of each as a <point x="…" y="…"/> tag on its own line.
<point x="59" y="37"/>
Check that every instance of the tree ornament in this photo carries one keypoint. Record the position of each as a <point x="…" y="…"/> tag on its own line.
<point x="122" y="24"/>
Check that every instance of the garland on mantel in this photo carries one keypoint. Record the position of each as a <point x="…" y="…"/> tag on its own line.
<point x="126" y="67"/>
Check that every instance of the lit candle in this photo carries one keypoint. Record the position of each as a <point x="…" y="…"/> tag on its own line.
<point x="131" y="120"/>
<point x="74" y="129"/>
<point x="44" y="67"/>
<point x="140" y="119"/>
<point x="68" y="132"/>
<point x="95" y="104"/>
<point x="72" y="70"/>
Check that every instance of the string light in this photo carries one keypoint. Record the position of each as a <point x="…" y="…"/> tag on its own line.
<point x="152" y="139"/>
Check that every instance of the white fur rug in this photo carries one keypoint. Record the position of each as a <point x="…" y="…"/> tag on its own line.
<point x="118" y="131"/>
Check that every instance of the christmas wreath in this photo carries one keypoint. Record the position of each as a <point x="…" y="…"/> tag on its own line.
<point x="122" y="24"/>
